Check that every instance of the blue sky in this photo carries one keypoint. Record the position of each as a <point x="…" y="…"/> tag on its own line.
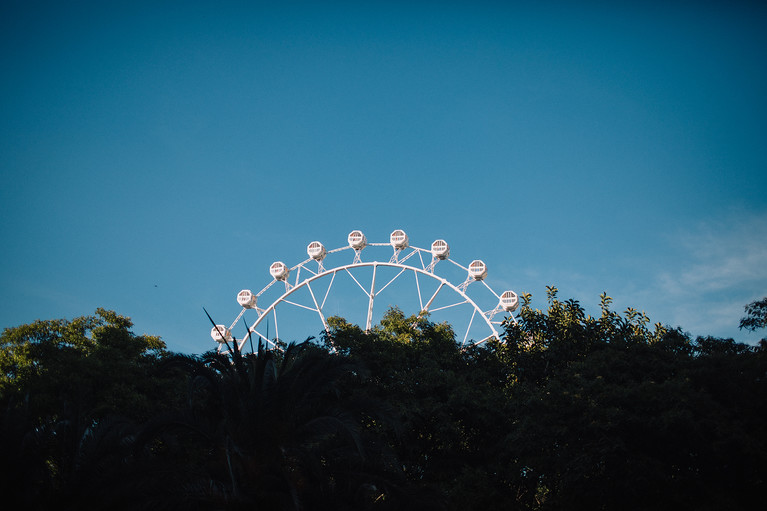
<point x="157" y="157"/>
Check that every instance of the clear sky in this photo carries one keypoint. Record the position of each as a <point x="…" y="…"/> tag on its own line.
<point x="156" y="157"/>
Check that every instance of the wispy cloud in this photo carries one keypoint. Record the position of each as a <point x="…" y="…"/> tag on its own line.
<point x="700" y="280"/>
<point x="720" y="257"/>
<point x="723" y="266"/>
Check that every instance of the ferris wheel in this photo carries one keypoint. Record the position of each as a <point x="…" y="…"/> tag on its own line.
<point x="429" y="281"/>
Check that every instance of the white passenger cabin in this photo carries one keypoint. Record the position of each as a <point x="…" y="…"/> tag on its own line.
<point x="247" y="299"/>
<point x="279" y="271"/>
<point x="316" y="251"/>
<point x="398" y="239"/>
<point x="509" y="301"/>
<point x="357" y="240"/>
<point x="221" y="334"/>
<point x="477" y="270"/>
<point x="440" y="249"/>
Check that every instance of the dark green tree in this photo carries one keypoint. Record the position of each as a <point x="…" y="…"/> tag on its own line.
<point x="567" y="411"/>
<point x="71" y="392"/>
<point x="612" y="415"/>
<point x="276" y="430"/>
<point x="570" y="411"/>
<point x="92" y="366"/>
<point x="449" y="413"/>
<point x="756" y="315"/>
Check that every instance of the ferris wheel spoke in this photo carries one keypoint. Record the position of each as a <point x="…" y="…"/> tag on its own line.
<point x="428" y="304"/>
<point x="449" y="306"/>
<point x="357" y="281"/>
<point x="392" y="280"/>
<point x="262" y="336"/>
<point x="332" y="278"/>
<point x="299" y="305"/>
<point x="310" y="271"/>
<point x="304" y="274"/>
<point x="468" y="329"/>
<point x="371" y="298"/>
<point x="276" y="326"/>
<point x="318" y="309"/>
<point x="418" y="288"/>
<point x="482" y="340"/>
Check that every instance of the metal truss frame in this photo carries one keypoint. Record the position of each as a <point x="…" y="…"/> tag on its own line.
<point x="418" y="261"/>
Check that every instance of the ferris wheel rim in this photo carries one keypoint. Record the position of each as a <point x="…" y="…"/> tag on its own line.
<point x="403" y="251"/>
<point x="336" y="269"/>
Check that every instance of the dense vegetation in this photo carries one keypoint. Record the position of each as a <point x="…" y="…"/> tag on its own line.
<point x="568" y="411"/>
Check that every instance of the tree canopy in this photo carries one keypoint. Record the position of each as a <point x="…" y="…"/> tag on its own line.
<point x="567" y="411"/>
<point x="93" y="365"/>
<point x="756" y="315"/>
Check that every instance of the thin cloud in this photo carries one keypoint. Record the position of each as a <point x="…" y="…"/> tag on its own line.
<point x="723" y="267"/>
<point x="721" y="257"/>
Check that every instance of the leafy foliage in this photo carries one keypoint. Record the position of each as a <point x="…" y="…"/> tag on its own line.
<point x="71" y="391"/>
<point x="281" y="431"/>
<point x="567" y="411"/>
<point x="91" y="366"/>
<point x="572" y="411"/>
<point x="756" y="315"/>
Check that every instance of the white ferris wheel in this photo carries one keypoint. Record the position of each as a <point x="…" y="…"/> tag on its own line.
<point x="345" y="282"/>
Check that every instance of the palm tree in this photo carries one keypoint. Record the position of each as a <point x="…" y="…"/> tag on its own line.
<point x="279" y="430"/>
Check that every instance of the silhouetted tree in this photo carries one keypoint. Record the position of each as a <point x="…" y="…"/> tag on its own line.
<point x="281" y="431"/>
<point x="567" y="411"/>
<point x="92" y="366"/>
<point x="72" y="392"/>
<point x="756" y="315"/>
<point x="613" y="415"/>
<point x="570" y="411"/>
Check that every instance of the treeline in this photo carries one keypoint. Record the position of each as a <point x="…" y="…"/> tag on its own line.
<point x="568" y="411"/>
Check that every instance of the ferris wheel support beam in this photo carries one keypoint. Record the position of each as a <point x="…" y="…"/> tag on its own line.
<point x="428" y="304"/>
<point x="371" y="298"/>
<point x="469" y="327"/>
<point x="327" y="292"/>
<point x="375" y="264"/>
<point x="276" y="327"/>
<point x="403" y="253"/>
<point x="418" y="288"/>
<point x="319" y="309"/>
